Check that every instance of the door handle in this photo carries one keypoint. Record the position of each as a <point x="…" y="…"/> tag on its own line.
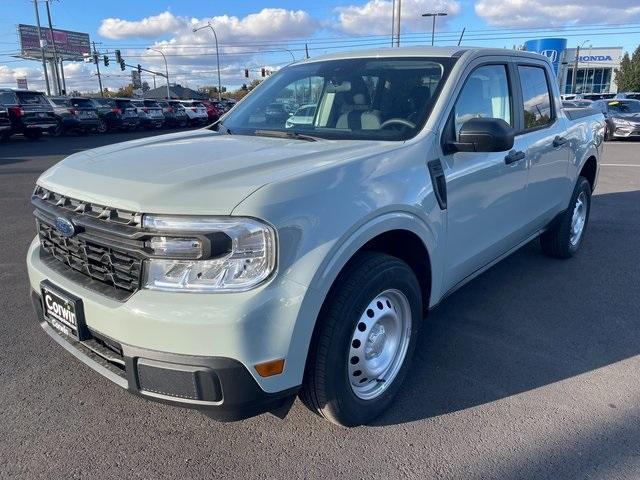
<point x="513" y="157"/>
<point x="559" y="141"/>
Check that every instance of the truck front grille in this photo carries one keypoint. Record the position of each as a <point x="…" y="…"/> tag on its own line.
<point x="108" y="249"/>
<point x="103" y="263"/>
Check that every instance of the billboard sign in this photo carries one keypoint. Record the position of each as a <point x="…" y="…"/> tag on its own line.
<point x="552" y="48"/>
<point x="22" y="83"/>
<point x="69" y="45"/>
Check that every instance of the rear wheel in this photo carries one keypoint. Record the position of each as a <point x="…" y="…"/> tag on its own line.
<point x="33" y="134"/>
<point x="564" y="239"/>
<point x="102" y="126"/>
<point x="58" y="131"/>
<point x="365" y="340"/>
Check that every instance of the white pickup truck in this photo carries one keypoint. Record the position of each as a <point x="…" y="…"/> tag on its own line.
<point x="232" y="268"/>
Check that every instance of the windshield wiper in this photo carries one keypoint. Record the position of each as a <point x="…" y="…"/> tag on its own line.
<point x="281" y="134"/>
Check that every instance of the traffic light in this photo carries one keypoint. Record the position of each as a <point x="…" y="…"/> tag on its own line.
<point x="95" y="58"/>
<point x="246" y="73"/>
<point x="118" y="57"/>
<point x="139" y="69"/>
<point x="123" y="67"/>
<point x="263" y="72"/>
<point x="244" y="87"/>
<point x="106" y="60"/>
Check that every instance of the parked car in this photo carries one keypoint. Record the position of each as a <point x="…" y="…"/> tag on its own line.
<point x="231" y="270"/>
<point x="576" y="103"/>
<point x="30" y="112"/>
<point x="129" y="119"/>
<point x="174" y="114"/>
<point x="302" y="116"/>
<point x="275" y="114"/>
<point x="622" y="117"/>
<point x="597" y="96"/>
<point x="149" y="113"/>
<point x="214" y="110"/>
<point x="5" y="124"/>
<point x="76" y="114"/>
<point x="196" y="111"/>
<point x="627" y="96"/>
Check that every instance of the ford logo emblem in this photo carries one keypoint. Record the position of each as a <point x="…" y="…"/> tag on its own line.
<point x="65" y="227"/>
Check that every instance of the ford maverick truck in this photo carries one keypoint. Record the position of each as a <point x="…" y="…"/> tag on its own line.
<point x="232" y="268"/>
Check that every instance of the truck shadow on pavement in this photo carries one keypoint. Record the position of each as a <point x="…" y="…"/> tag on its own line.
<point x="531" y="321"/>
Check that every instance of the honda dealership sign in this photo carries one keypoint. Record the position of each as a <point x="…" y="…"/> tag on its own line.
<point x="69" y="45"/>
<point x="552" y="48"/>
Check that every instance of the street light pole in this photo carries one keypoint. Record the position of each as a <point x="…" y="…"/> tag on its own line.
<point x="55" y="52"/>
<point x="166" y="70"/>
<point x="433" y="27"/>
<point x="44" y="60"/>
<point x="217" y="56"/>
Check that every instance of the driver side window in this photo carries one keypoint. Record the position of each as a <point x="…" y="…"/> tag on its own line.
<point x="486" y="94"/>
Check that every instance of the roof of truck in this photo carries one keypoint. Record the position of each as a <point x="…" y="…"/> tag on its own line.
<point x="389" y="52"/>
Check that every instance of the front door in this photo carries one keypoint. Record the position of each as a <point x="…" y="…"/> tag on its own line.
<point x="486" y="195"/>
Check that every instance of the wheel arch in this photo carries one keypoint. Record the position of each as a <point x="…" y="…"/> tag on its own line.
<point x="589" y="170"/>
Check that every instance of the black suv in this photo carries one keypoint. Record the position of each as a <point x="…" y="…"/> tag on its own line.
<point x="30" y="112"/>
<point x="115" y="113"/>
<point x="5" y="123"/>
<point x="74" y="114"/>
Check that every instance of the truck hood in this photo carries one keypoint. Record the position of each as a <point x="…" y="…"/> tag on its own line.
<point x="199" y="172"/>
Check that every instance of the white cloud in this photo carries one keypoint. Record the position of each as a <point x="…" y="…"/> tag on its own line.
<point x="149" y="27"/>
<point x="536" y="13"/>
<point x="374" y="17"/>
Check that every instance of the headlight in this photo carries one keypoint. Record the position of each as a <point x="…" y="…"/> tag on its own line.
<point x="237" y="254"/>
<point x="622" y="122"/>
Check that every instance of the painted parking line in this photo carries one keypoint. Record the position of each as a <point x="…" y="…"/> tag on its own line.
<point x="618" y="165"/>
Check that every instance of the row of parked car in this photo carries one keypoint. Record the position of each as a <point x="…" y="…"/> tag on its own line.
<point x="31" y="113"/>
<point x="621" y="113"/>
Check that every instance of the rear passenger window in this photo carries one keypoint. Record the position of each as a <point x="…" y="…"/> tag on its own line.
<point x="485" y="94"/>
<point x="536" y="97"/>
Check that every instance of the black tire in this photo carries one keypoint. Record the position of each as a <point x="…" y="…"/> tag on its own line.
<point x="58" y="131"/>
<point x="102" y="126"/>
<point x="556" y="242"/>
<point x="33" y="134"/>
<point x="326" y="388"/>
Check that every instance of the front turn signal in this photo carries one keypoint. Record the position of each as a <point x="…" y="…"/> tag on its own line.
<point x="268" y="369"/>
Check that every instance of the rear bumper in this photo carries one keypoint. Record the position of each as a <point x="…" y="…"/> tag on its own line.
<point x="221" y="387"/>
<point x="77" y="123"/>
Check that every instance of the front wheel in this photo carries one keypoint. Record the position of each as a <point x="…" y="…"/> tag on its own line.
<point x="102" y="126"/>
<point x="365" y="340"/>
<point x="564" y="239"/>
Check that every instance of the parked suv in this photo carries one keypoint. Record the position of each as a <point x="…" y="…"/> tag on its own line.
<point x="230" y="270"/>
<point x="76" y="114"/>
<point x="174" y="114"/>
<point x="149" y="113"/>
<point x="30" y="112"/>
<point x="196" y="111"/>
<point x="5" y="123"/>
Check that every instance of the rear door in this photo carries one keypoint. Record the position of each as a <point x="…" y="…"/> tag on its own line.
<point x="485" y="195"/>
<point x="544" y="127"/>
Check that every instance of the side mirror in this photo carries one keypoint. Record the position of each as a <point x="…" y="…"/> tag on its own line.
<point x="483" y="135"/>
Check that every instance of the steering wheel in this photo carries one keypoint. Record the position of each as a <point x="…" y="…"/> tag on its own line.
<point x="398" y="121"/>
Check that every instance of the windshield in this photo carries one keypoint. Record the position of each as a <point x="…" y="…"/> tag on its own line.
<point x="369" y="98"/>
<point x="619" y="106"/>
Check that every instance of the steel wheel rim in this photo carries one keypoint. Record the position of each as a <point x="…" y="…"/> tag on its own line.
<point x="379" y="344"/>
<point x="578" y="219"/>
<point x="102" y="127"/>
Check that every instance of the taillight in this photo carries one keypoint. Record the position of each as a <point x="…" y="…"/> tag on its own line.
<point x="194" y="109"/>
<point x="17" y="111"/>
<point x="73" y="111"/>
<point x="145" y="110"/>
<point x="116" y="110"/>
<point x="170" y="110"/>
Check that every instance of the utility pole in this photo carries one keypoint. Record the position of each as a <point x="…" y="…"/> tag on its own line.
<point x="398" y="22"/>
<point x="44" y="60"/>
<point x="64" y="83"/>
<point x="393" y="21"/>
<point x="55" y="52"/>
<point x="575" y="71"/>
<point x="95" y="52"/>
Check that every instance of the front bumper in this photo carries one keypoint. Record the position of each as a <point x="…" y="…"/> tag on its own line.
<point x="221" y="387"/>
<point x="247" y="328"/>
<point x="626" y="131"/>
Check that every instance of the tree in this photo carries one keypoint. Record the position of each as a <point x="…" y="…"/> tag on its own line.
<point x="145" y="86"/>
<point x="628" y="75"/>
<point x="126" y="91"/>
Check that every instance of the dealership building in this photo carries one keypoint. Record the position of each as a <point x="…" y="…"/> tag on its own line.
<point x="595" y="65"/>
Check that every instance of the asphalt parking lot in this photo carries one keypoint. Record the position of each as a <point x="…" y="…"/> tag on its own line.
<point x="530" y="371"/>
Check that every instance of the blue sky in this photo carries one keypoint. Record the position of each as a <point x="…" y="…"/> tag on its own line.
<point x="256" y="33"/>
